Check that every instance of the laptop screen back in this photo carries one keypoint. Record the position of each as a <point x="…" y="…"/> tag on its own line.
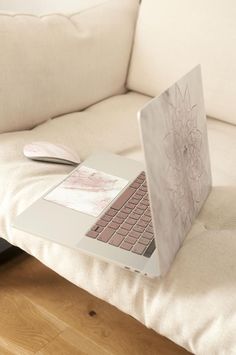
<point x="174" y="137"/>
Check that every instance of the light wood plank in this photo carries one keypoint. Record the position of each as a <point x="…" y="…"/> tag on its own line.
<point x="71" y="342"/>
<point x="6" y="348"/>
<point x="87" y="317"/>
<point x="24" y="327"/>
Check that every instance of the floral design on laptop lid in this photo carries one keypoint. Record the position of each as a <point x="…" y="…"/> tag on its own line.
<point x="175" y="144"/>
<point x="183" y="144"/>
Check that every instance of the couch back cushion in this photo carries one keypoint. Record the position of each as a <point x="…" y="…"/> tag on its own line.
<point x="55" y="64"/>
<point x="174" y="36"/>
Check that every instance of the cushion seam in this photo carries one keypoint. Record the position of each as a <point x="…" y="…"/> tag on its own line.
<point x="53" y="13"/>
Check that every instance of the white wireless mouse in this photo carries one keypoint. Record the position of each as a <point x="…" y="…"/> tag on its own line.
<point x="52" y="153"/>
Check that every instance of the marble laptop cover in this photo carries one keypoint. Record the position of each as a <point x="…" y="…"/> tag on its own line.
<point x="174" y="137"/>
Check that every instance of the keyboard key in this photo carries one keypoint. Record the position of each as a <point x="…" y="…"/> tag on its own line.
<point x="135" y="216"/>
<point x="102" y="223"/>
<point x="142" y="176"/>
<point x="126" y="210"/>
<point x="127" y="226"/>
<point x="135" y="185"/>
<point x="106" y="218"/>
<point x="116" y="239"/>
<point x="138" y="211"/>
<point x="142" y="205"/>
<point x="99" y="229"/>
<point x="111" y="212"/>
<point x="92" y="234"/>
<point x="150" y="249"/>
<point x="106" y="234"/>
<point x="140" y="181"/>
<point x="142" y="208"/>
<point x="134" y="234"/>
<point x="137" y="196"/>
<point x="146" y="218"/>
<point x="131" y="221"/>
<point x="142" y="223"/>
<point x="126" y="246"/>
<point x="130" y="205"/>
<point x="131" y="240"/>
<point x="122" y="231"/>
<point x="148" y="235"/>
<point x="149" y="229"/>
<point x="118" y="220"/>
<point x="138" y="248"/>
<point x="143" y="188"/>
<point x="138" y="229"/>
<point x="144" y="241"/>
<point x="135" y="201"/>
<point x="122" y="199"/>
<point x="114" y="225"/>
<point x="122" y="215"/>
<point x="140" y="193"/>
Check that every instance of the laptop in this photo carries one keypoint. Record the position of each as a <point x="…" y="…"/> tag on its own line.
<point x="127" y="213"/>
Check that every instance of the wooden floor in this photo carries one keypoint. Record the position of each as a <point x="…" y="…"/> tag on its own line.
<point x="41" y="313"/>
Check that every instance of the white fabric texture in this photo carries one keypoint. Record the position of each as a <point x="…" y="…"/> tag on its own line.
<point x="55" y="64"/>
<point x="174" y="36"/>
<point x="194" y="305"/>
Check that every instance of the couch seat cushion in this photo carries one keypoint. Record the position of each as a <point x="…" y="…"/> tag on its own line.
<point x="22" y="180"/>
<point x="203" y="274"/>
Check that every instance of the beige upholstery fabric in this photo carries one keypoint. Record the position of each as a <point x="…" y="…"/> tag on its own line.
<point x="87" y="131"/>
<point x="194" y="305"/>
<point x="55" y="64"/>
<point x="42" y="7"/>
<point x="222" y="143"/>
<point x="173" y="36"/>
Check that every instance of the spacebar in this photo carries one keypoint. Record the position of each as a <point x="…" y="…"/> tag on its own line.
<point x="123" y="198"/>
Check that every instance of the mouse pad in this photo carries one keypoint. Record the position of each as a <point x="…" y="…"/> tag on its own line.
<point x="87" y="190"/>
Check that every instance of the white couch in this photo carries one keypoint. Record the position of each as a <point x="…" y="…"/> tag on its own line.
<point x="79" y="79"/>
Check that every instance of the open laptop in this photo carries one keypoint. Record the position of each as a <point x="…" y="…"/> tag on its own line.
<point x="123" y="212"/>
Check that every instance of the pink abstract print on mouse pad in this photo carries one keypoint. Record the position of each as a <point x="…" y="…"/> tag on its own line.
<point x="87" y="190"/>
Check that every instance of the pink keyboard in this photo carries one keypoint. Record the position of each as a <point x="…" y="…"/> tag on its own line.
<point x="127" y="224"/>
